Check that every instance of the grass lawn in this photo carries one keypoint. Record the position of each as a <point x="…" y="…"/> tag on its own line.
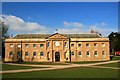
<point x="110" y="65"/>
<point x="13" y="67"/>
<point x="81" y="72"/>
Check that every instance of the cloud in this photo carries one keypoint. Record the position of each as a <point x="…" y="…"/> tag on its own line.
<point x="72" y="31"/>
<point x="103" y="28"/>
<point x="18" y="25"/>
<point x="72" y="24"/>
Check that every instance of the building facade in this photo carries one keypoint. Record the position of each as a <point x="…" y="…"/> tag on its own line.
<point x="57" y="47"/>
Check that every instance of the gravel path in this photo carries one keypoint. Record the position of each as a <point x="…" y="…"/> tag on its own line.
<point x="53" y="67"/>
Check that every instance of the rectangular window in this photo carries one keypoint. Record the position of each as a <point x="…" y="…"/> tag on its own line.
<point x="72" y="53"/>
<point x="34" y="45"/>
<point x="95" y="53"/>
<point x="88" y="53"/>
<point x="41" y="53"/>
<point x="87" y="45"/>
<point x="79" y="45"/>
<point x="48" y="44"/>
<point x="19" y="45"/>
<point x="95" y="44"/>
<point x="72" y="45"/>
<point x="65" y="44"/>
<point x="26" y="45"/>
<point x="41" y="45"/>
<point x="80" y="53"/>
<point x="34" y="53"/>
<point x="65" y="55"/>
<point x="103" y="53"/>
<point x="26" y="53"/>
<point x="11" y="45"/>
<point x="103" y="44"/>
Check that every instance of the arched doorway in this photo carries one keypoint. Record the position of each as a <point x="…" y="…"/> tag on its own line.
<point x="57" y="57"/>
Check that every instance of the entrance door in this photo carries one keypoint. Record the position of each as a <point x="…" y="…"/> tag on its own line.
<point x="57" y="57"/>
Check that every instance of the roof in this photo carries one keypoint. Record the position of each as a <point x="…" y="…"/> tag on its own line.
<point x="28" y="36"/>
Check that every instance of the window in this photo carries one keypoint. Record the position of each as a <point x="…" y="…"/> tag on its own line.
<point x="103" y="44"/>
<point x="79" y="45"/>
<point x="65" y="44"/>
<point x="79" y="53"/>
<point x="48" y="55"/>
<point x="11" y="45"/>
<point x="26" y="53"/>
<point x="41" y="45"/>
<point x="34" y="45"/>
<point x="48" y="44"/>
<point x="18" y="53"/>
<point x="95" y="44"/>
<point x="95" y="53"/>
<point x="65" y="55"/>
<point x="10" y="53"/>
<point x="41" y="53"/>
<point x="88" y="53"/>
<point x="103" y="53"/>
<point x="34" y="53"/>
<point x="72" y="45"/>
<point x="26" y="45"/>
<point x="87" y="45"/>
<point x="19" y="45"/>
<point x="72" y="53"/>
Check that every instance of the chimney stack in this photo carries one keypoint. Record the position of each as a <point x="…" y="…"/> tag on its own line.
<point x="92" y="31"/>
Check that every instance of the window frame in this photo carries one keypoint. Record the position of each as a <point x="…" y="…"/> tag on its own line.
<point x="11" y="45"/>
<point x="79" y="45"/>
<point x="72" y="53"/>
<point x="41" y="53"/>
<point x="72" y="45"/>
<point x="87" y="45"/>
<point x="26" y="45"/>
<point x="41" y="45"/>
<point x="34" y="45"/>
<point x="26" y="53"/>
<point x="34" y="53"/>
<point x="87" y="53"/>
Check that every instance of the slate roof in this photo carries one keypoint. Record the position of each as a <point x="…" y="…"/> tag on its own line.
<point x="28" y="36"/>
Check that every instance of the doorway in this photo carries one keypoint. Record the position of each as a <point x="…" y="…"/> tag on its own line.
<point x="57" y="57"/>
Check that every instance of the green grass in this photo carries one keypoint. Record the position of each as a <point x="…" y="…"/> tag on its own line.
<point x="82" y="72"/>
<point x="115" y="58"/>
<point x="110" y="65"/>
<point x="13" y="67"/>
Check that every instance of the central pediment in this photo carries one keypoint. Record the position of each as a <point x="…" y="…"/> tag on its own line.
<point x="57" y="36"/>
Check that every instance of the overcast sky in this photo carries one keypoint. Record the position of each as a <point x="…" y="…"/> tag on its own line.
<point x="74" y="17"/>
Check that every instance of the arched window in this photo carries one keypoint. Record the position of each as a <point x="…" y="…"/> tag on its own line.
<point x="18" y="54"/>
<point x="41" y="53"/>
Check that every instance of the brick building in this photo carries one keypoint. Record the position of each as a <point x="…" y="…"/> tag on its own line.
<point x="57" y="47"/>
